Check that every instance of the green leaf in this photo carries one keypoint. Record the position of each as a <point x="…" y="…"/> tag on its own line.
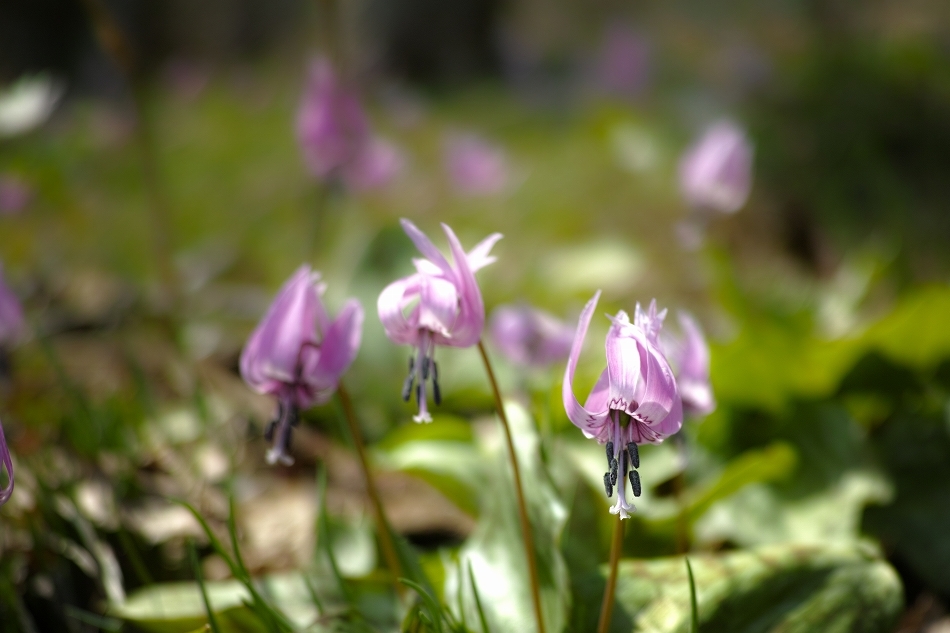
<point x="495" y="551"/>
<point x="787" y="588"/>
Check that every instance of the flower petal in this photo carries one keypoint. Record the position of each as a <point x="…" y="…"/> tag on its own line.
<point x="478" y="257"/>
<point x="581" y="417"/>
<point x="624" y="363"/>
<point x="597" y="400"/>
<point x="471" y="318"/>
<point x="673" y="422"/>
<point x="272" y="352"/>
<point x="656" y="393"/>
<point x="438" y="305"/>
<point x="323" y="367"/>
<point x="427" y="248"/>
<point x="390" y="304"/>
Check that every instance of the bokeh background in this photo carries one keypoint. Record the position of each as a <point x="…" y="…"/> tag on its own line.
<point x="160" y="197"/>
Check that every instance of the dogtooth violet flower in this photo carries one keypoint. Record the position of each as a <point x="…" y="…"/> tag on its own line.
<point x="716" y="172"/>
<point x="5" y="462"/>
<point x="297" y="353"/>
<point x="528" y="336"/>
<point x="335" y="135"/>
<point x="438" y="305"/>
<point x="635" y="400"/>
<point x="689" y="358"/>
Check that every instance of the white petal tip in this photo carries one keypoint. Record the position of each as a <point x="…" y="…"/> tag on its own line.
<point x="422" y="419"/>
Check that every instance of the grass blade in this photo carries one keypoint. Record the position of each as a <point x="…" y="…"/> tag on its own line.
<point x="478" y="601"/>
<point x="694" y="609"/>
<point x="212" y="622"/>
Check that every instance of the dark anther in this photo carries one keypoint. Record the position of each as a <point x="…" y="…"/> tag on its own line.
<point x="608" y="487"/>
<point x="419" y="394"/>
<point x="293" y="417"/>
<point x="610" y="453"/>
<point x="407" y="386"/>
<point x="269" y="430"/>
<point x="635" y="482"/>
<point x="613" y="474"/>
<point x="425" y="368"/>
<point x="435" y="371"/>
<point x="285" y="442"/>
<point x="412" y="364"/>
<point x="634" y="454"/>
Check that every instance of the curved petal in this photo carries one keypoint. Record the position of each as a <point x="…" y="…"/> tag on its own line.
<point x="471" y="318"/>
<point x="479" y="256"/>
<point x="694" y="358"/>
<point x="426" y="247"/>
<point x="657" y="391"/>
<point x="425" y="267"/>
<point x="400" y="330"/>
<point x="624" y="364"/>
<point x="581" y="417"/>
<point x="438" y="305"/>
<point x="272" y="351"/>
<point x="597" y="400"/>
<point x="322" y="370"/>
<point x="673" y="422"/>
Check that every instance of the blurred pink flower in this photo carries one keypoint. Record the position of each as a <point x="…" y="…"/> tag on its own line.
<point x="11" y="314"/>
<point x="635" y="400"/>
<point x="298" y="353"/>
<point x="623" y="63"/>
<point x="335" y="136"/>
<point x="716" y="171"/>
<point x="528" y="336"/>
<point x="15" y="194"/>
<point x="445" y="307"/>
<point x="5" y="462"/>
<point x="475" y="166"/>
<point x="689" y="358"/>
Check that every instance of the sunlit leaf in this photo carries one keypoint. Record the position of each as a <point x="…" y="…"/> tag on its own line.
<point x="788" y="588"/>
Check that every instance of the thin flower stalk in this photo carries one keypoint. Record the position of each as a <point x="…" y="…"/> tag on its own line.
<point x="382" y="524"/>
<point x="519" y="491"/>
<point x="607" y="604"/>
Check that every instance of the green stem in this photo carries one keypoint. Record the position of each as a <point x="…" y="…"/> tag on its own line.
<point x="607" y="606"/>
<point x="382" y="525"/>
<point x="522" y="507"/>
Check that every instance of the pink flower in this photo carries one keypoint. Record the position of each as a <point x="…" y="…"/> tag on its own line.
<point x="528" y="336"/>
<point x="444" y="307"/>
<point x="716" y="171"/>
<point x="689" y="357"/>
<point x="298" y="354"/>
<point x="335" y="135"/>
<point x="635" y="401"/>
<point x="5" y="462"/>
<point x="475" y="166"/>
